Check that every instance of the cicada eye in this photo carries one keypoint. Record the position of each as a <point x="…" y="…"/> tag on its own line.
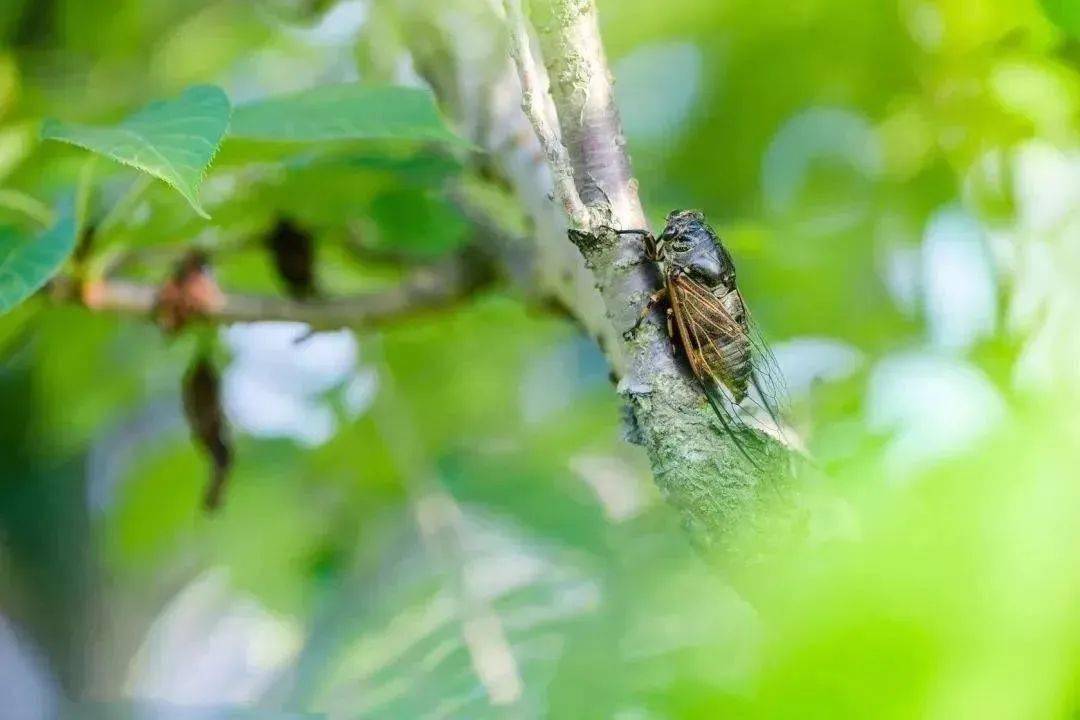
<point x="678" y="243"/>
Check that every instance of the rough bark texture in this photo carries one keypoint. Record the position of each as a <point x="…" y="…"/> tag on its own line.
<point x="583" y="90"/>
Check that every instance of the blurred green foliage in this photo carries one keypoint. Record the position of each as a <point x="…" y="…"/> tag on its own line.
<point x="826" y="140"/>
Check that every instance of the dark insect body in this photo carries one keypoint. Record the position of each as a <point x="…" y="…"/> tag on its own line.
<point x="708" y="319"/>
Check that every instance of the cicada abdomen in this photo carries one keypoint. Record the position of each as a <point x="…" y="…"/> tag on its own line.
<point x="712" y="333"/>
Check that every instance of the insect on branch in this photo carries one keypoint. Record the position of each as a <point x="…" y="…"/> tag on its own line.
<point x="714" y="473"/>
<point x="532" y="103"/>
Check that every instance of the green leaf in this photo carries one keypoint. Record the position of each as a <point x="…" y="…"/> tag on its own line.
<point x="173" y="140"/>
<point x="344" y="112"/>
<point x="1063" y="13"/>
<point x="420" y="222"/>
<point x="27" y="265"/>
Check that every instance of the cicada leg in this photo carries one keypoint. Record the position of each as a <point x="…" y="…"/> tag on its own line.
<point x="647" y="238"/>
<point x="654" y="299"/>
<point x="671" y="330"/>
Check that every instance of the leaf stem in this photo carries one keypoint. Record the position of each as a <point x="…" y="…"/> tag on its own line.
<point x="124" y="205"/>
<point x="29" y="206"/>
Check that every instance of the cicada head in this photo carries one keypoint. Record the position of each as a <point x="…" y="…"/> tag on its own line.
<point x="690" y="245"/>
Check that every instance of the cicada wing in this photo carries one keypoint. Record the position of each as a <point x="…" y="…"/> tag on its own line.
<point x="770" y="395"/>
<point x="725" y="349"/>
<point x="765" y="401"/>
<point x="702" y="328"/>
<point x="722" y="345"/>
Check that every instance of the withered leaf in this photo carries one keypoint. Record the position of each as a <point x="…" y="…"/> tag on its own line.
<point x="209" y="428"/>
<point x="191" y="292"/>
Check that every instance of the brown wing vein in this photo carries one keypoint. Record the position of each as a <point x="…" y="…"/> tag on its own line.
<point x="685" y="337"/>
<point x="711" y="310"/>
<point x="689" y="336"/>
<point x="691" y="320"/>
<point x="724" y="351"/>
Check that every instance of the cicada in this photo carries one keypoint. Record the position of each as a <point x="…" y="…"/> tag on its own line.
<point x="708" y="320"/>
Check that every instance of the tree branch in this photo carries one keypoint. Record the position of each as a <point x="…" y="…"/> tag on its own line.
<point x="423" y="291"/>
<point x="531" y="103"/>
<point x="461" y="48"/>
<point x="581" y="86"/>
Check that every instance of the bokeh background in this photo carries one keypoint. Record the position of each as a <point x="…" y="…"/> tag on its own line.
<point x="441" y="519"/>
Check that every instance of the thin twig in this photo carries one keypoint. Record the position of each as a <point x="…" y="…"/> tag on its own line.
<point x="27" y="205"/>
<point x="584" y="98"/>
<point x="442" y="524"/>
<point x="532" y="104"/>
<point x="424" y="290"/>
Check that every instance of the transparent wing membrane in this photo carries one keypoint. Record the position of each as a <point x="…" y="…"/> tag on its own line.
<point x="738" y="373"/>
